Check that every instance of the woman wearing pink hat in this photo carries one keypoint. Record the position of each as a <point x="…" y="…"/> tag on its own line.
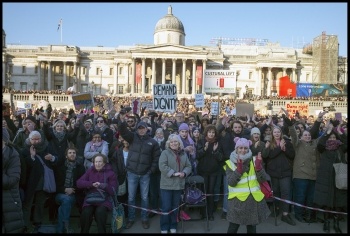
<point x="246" y="204"/>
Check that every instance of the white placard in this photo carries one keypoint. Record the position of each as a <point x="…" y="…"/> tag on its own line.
<point x="199" y="100"/>
<point x="164" y="97"/>
<point x="219" y="81"/>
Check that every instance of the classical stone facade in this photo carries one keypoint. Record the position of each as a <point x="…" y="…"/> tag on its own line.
<point x="134" y="69"/>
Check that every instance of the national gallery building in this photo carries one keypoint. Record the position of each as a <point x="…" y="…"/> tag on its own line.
<point x="257" y="64"/>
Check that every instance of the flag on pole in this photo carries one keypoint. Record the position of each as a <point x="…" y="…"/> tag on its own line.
<point x="59" y="24"/>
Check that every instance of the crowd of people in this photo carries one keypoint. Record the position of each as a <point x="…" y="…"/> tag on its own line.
<point x="123" y="150"/>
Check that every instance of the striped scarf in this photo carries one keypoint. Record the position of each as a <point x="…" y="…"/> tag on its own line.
<point x="68" y="183"/>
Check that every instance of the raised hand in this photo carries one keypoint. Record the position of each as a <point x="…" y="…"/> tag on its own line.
<point x="239" y="165"/>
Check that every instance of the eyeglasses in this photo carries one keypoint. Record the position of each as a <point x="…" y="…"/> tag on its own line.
<point x="100" y="121"/>
<point x="245" y="148"/>
<point x="130" y="121"/>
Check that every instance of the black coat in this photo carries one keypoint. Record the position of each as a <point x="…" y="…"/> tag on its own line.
<point x="118" y="165"/>
<point x="326" y="194"/>
<point x="144" y="152"/>
<point x="34" y="169"/>
<point x="279" y="164"/>
<point x="209" y="161"/>
<point x="12" y="215"/>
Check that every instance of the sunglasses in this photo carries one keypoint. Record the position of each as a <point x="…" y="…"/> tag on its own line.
<point x="130" y="121"/>
<point x="100" y="121"/>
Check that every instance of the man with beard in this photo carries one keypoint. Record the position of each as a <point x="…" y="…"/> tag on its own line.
<point x="32" y="172"/>
<point x="67" y="191"/>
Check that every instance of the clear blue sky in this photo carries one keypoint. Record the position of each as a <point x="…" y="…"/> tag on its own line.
<point x="115" y="24"/>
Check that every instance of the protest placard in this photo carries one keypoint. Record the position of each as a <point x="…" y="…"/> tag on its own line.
<point x="244" y="108"/>
<point x="83" y="100"/>
<point x="199" y="100"/>
<point x="164" y="97"/>
<point x="302" y="108"/>
<point x="215" y="108"/>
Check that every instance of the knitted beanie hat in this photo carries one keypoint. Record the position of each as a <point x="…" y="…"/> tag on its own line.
<point x="242" y="142"/>
<point x="184" y="126"/>
<point x="254" y="130"/>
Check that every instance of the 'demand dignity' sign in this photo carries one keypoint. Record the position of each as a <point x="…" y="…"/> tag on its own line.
<point x="164" y="97"/>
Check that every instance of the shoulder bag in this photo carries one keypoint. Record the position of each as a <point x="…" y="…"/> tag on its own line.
<point x="341" y="174"/>
<point x="49" y="178"/>
<point x="118" y="215"/>
<point x="96" y="197"/>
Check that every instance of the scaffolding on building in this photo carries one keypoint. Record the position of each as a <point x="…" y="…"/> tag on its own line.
<point x="218" y="41"/>
<point x="325" y="59"/>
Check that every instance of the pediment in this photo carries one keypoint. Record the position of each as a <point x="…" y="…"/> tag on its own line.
<point x="168" y="48"/>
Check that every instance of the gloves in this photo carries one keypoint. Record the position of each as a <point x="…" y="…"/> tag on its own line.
<point x="240" y="166"/>
<point x="258" y="164"/>
<point x="287" y="120"/>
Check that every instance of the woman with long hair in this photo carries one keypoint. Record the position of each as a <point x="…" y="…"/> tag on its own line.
<point x="279" y="158"/>
<point x="210" y="158"/>
<point x="174" y="166"/>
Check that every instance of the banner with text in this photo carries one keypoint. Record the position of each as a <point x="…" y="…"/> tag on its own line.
<point x="302" y="108"/>
<point x="83" y="100"/>
<point x="219" y="81"/>
<point x="164" y="97"/>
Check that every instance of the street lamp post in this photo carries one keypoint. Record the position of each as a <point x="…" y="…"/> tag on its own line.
<point x="93" y="87"/>
<point x="237" y="74"/>
<point x="74" y="82"/>
<point x="8" y="77"/>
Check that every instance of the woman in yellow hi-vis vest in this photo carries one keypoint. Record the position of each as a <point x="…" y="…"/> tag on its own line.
<point x="246" y="203"/>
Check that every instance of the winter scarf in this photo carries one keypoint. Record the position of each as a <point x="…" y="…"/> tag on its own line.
<point x="68" y="183"/>
<point x="332" y="145"/>
<point x="95" y="146"/>
<point x="59" y="135"/>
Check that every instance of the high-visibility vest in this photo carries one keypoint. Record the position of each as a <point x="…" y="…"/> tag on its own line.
<point x="247" y="185"/>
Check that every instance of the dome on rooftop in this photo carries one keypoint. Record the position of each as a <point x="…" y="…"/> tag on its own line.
<point x="169" y="23"/>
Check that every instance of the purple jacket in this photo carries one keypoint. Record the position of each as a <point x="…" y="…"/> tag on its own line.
<point x="92" y="175"/>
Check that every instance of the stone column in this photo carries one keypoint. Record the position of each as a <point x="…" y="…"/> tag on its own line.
<point x="269" y="82"/>
<point x="115" y="85"/>
<point x="174" y="72"/>
<point x="293" y="75"/>
<point x="259" y="81"/>
<point x="39" y="75"/>
<point x="143" y="85"/>
<point x="77" y="77"/>
<point x="183" y="76"/>
<point x="194" y="84"/>
<point x="153" y="73"/>
<point x="203" y="74"/>
<point x="64" y="76"/>
<point x="132" y="82"/>
<point x="284" y="71"/>
<point x="127" y="76"/>
<point x="49" y="76"/>
<point x="163" y="70"/>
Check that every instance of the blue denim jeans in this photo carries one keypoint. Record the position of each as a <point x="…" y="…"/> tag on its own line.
<point x="133" y="182"/>
<point x="171" y="199"/>
<point x="66" y="203"/>
<point x="303" y="193"/>
<point x="224" y="202"/>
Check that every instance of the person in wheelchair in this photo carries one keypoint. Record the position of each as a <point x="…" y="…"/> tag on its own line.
<point x="246" y="203"/>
